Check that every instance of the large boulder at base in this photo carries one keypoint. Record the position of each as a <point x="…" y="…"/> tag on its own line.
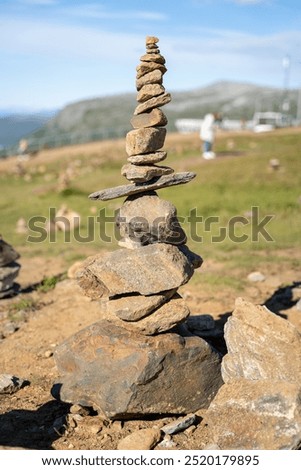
<point x="261" y="414"/>
<point x="261" y="345"/>
<point x="123" y="374"/>
<point x="148" y="270"/>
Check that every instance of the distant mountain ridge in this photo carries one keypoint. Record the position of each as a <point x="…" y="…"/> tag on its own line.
<point x="109" y="116"/>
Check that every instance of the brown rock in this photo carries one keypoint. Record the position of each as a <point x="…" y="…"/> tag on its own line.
<point x="261" y="345"/>
<point x="134" y="307"/>
<point x="144" y="140"/>
<point x="146" y="67"/>
<point x="149" y="219"/>
<point x="144" y="173"/>
<point x="148" y="270"/>
<point x="155" y="102"/>
<point x="151" y="40"/>
<point x="153" y="58"/>
<point x="153" y="118"/>
<point x="129" y="189"/>
<point x="123" y="374"/>
<point x="147" y="158"/>
<point x="255" y="415"/>
<point x="155" y="76"/>
<point x="149" y="91"/>
<point x="144" y="439"/>
<point x="164" y="318"/>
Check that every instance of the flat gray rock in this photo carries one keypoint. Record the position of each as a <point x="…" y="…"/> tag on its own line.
<point x="179" y="425"/>
<point x="129" y="189"/>
<point x="146" y="270"/>
<point x="123" y="374"/>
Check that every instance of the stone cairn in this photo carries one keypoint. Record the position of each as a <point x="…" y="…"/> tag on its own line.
<point x="9" y="269"/>
<point x="139" y="359"/>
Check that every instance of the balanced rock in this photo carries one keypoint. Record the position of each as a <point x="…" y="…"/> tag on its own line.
<point x="149" y="91"/>
<point x="155" y="117"/>
<point x="135" y="307"/>
<point x="129" y="189"/>
<point x="147" y="158"/>
<point x="255" y="415"/>
<point x="154" y="102"/>
<point x="149" y="219"/>
<point x="144" y="140"/>
<point x="164" y="318"/>
<point x="155" y="76"/>
<point x="144" y="173"/>
<point x="261" y="345"/>
<point x="123" y="374"/>
<point x="148" y="270"/>
<point x="155" y="57"/>
<point x="146" y="67"/>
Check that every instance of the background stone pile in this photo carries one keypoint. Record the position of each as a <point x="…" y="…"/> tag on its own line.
<point x="123" y="365"/>
<point x="9" y="268"/>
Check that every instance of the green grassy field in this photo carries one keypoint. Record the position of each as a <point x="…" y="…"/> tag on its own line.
<point x="230" y="197"/>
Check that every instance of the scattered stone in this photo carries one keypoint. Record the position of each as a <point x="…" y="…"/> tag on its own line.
<point x="274" y="163"/>
<point x="141" y="174"/>
<point x="80" y="410"/>
<point x="21" y="226"/>
<point x="261" y="346"/>
<point x="155" y="102"/>
<point x="256" y="276"/>
<point x="155" y="117"/>
<point x="92" y="366"/>
<point x="144" y="140"/>
<point x="298" y="305"/>
<point x="129" y="189"/>
<point x="10" y="384"/>
<point x="255" y="415"/>
<point x="66" y="219"/>
<point x="148" y="270"/>
<point x="179" y="425"/>
<point x="74" y="269"/>
<point x="144" y="439"/>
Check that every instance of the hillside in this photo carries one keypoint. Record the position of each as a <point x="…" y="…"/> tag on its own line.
<point x="109" y="116"/>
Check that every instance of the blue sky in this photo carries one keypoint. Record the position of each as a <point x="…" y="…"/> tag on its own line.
<point x="54" y="52"/>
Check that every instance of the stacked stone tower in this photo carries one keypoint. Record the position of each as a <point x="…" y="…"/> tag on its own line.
<point x="138" y="359"/>
<point x="9" y="269"/>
